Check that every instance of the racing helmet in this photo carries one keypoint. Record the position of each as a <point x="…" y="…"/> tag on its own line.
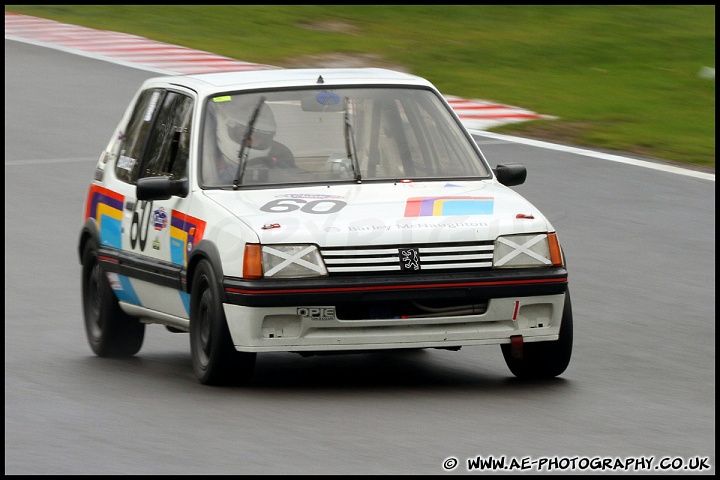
<point x="232" y="119"/>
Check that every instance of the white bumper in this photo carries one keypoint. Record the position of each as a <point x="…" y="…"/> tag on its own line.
<point x="289" y="329"/>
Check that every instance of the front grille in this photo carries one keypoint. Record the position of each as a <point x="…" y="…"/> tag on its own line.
<point x="408" y="258"/>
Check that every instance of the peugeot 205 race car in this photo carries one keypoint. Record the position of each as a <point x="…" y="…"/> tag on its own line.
<point x="314" y="211"/>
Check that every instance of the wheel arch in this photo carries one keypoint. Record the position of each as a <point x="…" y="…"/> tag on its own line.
<point x="89" y="231"/>
<point x="205" y="250"/>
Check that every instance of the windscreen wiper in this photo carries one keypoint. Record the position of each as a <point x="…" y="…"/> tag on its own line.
<point x="243" y="154"/>
<point x="350" y="144"/>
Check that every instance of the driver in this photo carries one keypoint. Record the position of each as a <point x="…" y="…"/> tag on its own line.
<point x="231" y="126"/>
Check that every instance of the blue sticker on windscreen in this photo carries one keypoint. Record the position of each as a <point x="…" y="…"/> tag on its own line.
<point x="327" y="98"/>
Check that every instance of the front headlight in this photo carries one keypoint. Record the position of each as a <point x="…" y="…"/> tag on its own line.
<point x="283" y="261"/>
<point x="527" y="250"/>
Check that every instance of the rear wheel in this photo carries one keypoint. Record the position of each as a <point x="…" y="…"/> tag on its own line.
<point x="544" y="359"/>
<point x="110" y="331"/>
<point x="214" y="358"/>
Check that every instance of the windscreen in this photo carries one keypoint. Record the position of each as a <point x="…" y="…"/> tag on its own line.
<point x="333" y="135"/>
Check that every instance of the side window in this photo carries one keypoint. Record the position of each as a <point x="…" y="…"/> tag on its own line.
<point x="135" y="135"/>
<point x="169" y="142"/>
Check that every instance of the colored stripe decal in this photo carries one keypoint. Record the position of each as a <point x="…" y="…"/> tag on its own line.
<point x="185" y="233"/>
<point x="448" y="206"/>
<point x="105" y="206"/>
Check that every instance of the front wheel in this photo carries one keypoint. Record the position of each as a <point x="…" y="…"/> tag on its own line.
<point x="541" y="360"/>
<point x="214" y="358"/>
<point x="110" y="331"/>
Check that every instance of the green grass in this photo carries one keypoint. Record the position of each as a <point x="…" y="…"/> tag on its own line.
<point x="622" y="77"/>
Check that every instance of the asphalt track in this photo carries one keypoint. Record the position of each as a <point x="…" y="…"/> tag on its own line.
<point x="641" y="386"/>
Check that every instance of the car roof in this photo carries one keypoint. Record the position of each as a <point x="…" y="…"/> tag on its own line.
<point x="209" y="83"/>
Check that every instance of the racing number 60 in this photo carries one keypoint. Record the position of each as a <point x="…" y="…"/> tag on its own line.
<point x="138" y="222"/>
<point x="285" y="205"/>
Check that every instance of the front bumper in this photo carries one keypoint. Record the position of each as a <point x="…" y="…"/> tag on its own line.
<point x="317" y="328"/>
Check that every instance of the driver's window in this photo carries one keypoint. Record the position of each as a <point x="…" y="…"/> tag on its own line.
<point x="169" y="142"/>
<point x="133" y="139"/>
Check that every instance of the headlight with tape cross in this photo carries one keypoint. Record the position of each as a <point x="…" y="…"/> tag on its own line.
<point x="527" y="250"/>
<point x="283" y="261"/>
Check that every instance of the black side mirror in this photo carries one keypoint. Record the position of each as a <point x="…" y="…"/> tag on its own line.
<point x="511" y="174"/>
<point x="161" y="188"/>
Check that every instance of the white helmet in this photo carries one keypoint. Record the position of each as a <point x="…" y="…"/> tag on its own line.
<point x="232" y="120"/>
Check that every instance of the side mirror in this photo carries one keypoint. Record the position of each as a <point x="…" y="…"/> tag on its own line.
<point x="511" y="174"/>
<point x="161" y="188"/>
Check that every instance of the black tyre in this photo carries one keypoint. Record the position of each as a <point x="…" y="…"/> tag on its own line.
<point x="214" y="358"/>
<point x="542" y="360"/>
<point x="110" y="331"/>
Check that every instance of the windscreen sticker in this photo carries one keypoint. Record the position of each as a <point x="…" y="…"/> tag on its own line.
<point x="126" y="163"/>
<point x="151" y="106"/>
<point x="327" y="97"/>
<point x="447" y="206"/>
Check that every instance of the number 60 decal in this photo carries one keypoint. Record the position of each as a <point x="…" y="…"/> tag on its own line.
<point x="319" y="207"/>
<point x="140" y="224"/>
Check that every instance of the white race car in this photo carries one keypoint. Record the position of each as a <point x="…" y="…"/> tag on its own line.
<point x="314" y="211"/>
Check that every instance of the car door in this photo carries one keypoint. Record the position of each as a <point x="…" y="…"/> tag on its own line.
<point x="156" y="143"/>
